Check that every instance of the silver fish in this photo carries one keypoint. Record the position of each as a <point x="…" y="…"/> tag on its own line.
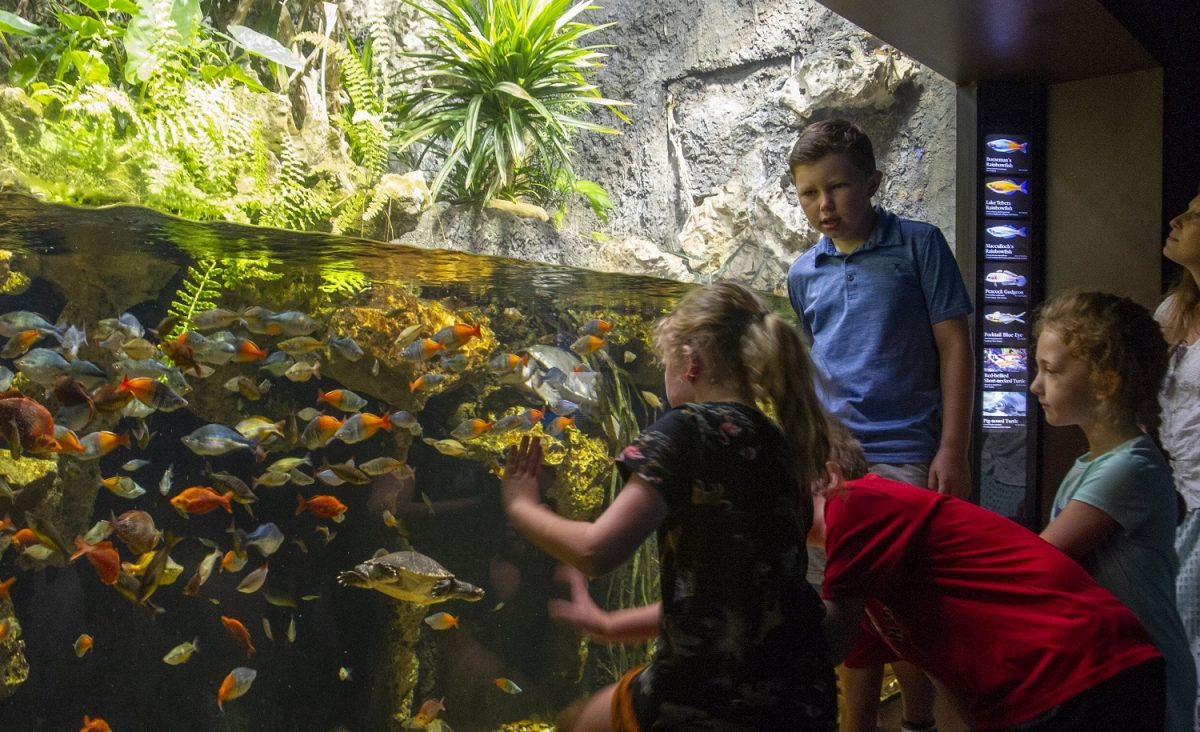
<point x="216" y="439"/>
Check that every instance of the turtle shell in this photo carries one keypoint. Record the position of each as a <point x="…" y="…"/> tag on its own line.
<point x="413" y="563"/>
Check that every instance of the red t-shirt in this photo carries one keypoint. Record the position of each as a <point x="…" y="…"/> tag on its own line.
<point x="1003" y="619"/>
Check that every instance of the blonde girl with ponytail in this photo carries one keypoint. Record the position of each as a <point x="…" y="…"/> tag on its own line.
<point x="726" y="489"/>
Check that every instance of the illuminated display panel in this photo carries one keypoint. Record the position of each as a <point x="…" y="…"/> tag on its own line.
<point x="1009" y="182"/>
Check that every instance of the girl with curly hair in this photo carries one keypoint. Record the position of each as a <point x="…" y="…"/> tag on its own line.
<point x="1101" y="360"/>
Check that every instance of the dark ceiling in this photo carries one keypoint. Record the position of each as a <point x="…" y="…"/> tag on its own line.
<point x="1045" y="41"/>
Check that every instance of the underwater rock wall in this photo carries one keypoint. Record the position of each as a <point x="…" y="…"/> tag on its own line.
<point x="719" y="91"/>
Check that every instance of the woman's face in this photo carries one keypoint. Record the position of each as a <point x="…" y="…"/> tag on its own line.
<point x="1183" y="243"/>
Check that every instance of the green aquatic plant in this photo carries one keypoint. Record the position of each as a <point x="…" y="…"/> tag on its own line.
<point x="505" y="87"/>
<point x="200" y="290"/>
<point x="342" y="277"/>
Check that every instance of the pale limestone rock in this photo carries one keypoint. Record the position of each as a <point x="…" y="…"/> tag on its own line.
<point x="408" y="193"/>
<point x="714" y="228"/>
<point x="831" y="78"/>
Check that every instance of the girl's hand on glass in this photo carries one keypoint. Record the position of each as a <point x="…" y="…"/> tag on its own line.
<point x="580" y="610"/>
<point x="520" y="482"/>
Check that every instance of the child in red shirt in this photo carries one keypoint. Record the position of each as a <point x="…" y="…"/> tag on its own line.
<point x="1014" y="630"/>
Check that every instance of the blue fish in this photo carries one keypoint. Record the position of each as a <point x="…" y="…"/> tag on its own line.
<point x="1005" y="145"/>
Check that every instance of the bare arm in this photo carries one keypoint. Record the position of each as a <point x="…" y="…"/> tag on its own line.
<point x="618" y="626"/>
<point x="843" y="619"/>
<point x="1079" y="529"/>
<point x="950" y="471"/>
<point x="595" y="548"/>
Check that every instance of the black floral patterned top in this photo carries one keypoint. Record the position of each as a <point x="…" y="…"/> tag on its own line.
<point x="740" y="644"/>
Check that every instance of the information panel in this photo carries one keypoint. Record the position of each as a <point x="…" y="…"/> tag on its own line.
<point x="1008" y="291"/>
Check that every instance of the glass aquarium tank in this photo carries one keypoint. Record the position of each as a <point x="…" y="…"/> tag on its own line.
<point x="249" y="476"/>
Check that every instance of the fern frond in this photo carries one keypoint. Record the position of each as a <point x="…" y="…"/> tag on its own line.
<point x="294" y="204"/>
<point x="199" y="292"/>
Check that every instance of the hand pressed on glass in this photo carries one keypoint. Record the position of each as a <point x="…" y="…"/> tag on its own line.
<point x="520" y="482"/>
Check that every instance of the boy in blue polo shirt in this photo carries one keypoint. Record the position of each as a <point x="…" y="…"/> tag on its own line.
<point x="886" y="310"/>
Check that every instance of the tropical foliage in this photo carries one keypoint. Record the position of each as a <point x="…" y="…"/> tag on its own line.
<point x="144" y="101"/>
<point x="503" y="91"/>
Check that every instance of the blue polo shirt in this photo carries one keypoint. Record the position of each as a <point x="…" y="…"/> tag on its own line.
<point x="869" y="316"/>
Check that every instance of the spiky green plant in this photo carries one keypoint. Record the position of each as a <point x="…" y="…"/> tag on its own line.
<point x="504" y="90"/>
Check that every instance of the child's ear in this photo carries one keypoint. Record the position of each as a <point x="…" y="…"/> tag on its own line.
<point x="873" y="181"/>
<point x="1106" y="384"/>
<point x="833" y="479"/>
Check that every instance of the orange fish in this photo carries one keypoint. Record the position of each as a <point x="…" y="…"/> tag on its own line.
<point x="200" y="500"/>
<point x="94" y="725"/>
<point x="238" y="633"/>
<point x="103" y="556"/>
<point x="324" y="506"/>
<point x="441" y="621"/>
<point x="83" y="644"/>
<point x="248" y="350"/>
<point x="236" y="683"/>
<point x="362" y="426"/>
<point x="104" y="441"/>
<point x="68" y="441"/>
<point x="429" y="711"/>
<point x="457" y="335"/>
<point x="3" y="628"/>
<point x="6" y="523"/>
<point x="26" y="424"/>
<point x="422" y="350"/>
<point x="560" y="425"/>
<point x="320" y="431"/>
<point x="587" y="344"/>
<point x="596" y="327"/>
<point x="182" y="354"/>
<point x="470" y="428"/>
<point x="505" y="362"/>
<point x="5" y="586"/>
<point x="426" y="380"/>
<point x="508" y="686"/>
<point x="231" y="561"/>
<point x="109" y="399"/>
<point x="342" y="399"/>
<point x="153" y="393"/>
<point x="20" y="343"/>
<point x="25" y="538"/>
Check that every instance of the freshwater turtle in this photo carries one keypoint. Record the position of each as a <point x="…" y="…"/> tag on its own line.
<point x="410" y="576"/>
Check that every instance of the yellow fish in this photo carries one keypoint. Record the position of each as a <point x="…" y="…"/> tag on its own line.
<point x="1007" y="187"/>
<point x="182" y="652"/>
<point x="450" y="448"/>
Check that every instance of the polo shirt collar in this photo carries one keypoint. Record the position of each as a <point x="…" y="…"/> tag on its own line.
<point x="881" y="236"/>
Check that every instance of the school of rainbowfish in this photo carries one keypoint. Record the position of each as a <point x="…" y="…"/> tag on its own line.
<point x="47" y="405"/>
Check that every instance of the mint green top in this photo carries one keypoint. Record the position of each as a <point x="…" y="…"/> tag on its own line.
<point x="1132" y="483"/>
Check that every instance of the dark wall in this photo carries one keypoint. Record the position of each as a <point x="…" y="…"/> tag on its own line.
<point x="1170" y="29"/>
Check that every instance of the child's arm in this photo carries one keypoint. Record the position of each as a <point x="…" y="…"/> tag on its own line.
<point x="950" y="471"/>
<point x="1079" y="529"/>
<point x="620" y="626"/>
<point x="843" y="619"/>
<point x="595" y="548"/>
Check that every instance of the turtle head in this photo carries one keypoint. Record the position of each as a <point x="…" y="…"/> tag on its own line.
<point x="453" y="589"/>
